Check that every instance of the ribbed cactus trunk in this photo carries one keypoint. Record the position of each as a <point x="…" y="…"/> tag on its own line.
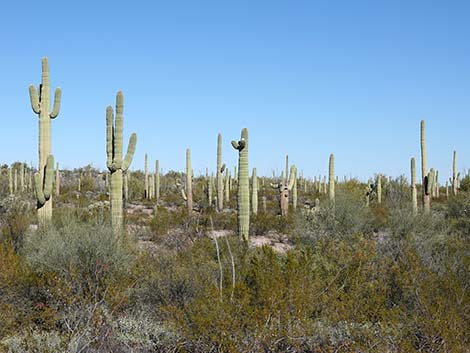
<point x="254" y="192"/>
<point x="115" y="163"/>
<point x="157" y="181"/>
<point x="189" y="182"/>
<point x="15" y="180"/>
<point x="455" y="182"/>
<point x="414" y="191"/>
<point x="41" y="103"/>
<point x="209" y="190"/>
<point x="331" y="179"/>
<point x="243" y="197"/>
<point x="294" y="193"/>
<point x="287" y="166"/>
<point x="57" y="180"/>
<point x="379" y="189"/>
<point x="22" y="184"/>
<point x="227" y="186"/>
<point x="146" y="178"/>
<point x="10" y="180"/>
<point x="424" y="167"/>
<point x="220" y="175"/>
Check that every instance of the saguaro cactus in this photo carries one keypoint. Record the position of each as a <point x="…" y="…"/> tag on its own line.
<point x="115" y="163"/>
<point x="188" y="194"/>
<point x="157" y="181"/>
<point x="220" y="175"/>
<point x="254" y="192"/>
<point x="227" y="186"/>
<point x="284" y="187"/>
<point x="41" y="103"/>
<point x="43" y="189"/>
<point x="146" y="179"/>
<point x="294" y="192"/>
<point x="455" y="182"/>
<point x="10" y="180"/>
<point x="424" y="163"/>
<point x="331" y="179"/>
<point x="379" y="189"/>
<point x="243" y="197"/>
<point x="57" y="180"/>
<point x="414" y="192"/>
<point x="428" y="185"/>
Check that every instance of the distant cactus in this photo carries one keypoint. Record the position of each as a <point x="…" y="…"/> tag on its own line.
<point x="263" y="201"/>
<point x="331" y="179"/>
<point x="209" y="190"/>
<point x="424" y="165"/>
<point x="15" y="180"/>
<point x="369" y="191"/>
<point x="414" y="192"/>
<point x="220" y="175"/>
<point x="157" y="181"/>
<point x="10" y="180"/>
<point x="294" y="191"/>
<point x="22" y="183"/>
<point x="379" y="189"/>
<point x="428" y="186"/>
<point x="146" y="178"/>
<point x="227" y="186"/>
<point x="455" y="182"/>
<point x="254" y="192"/>
<point x="188" y="193"/>
<point x="41" y="103"/>
<point x="243" y="197"/>
<point x="115" y="163"/>
<point x="57" y="180"/>
<point x="284" y="187"/>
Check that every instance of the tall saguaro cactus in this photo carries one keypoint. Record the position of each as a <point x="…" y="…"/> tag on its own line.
<point x="220" y="175"/>
<point x="115" y="163"/>
<point x="331" y="178"/>
<point x="254" y="192"/>
<point x="284" y="187"/>
<point x="379" y="189"/>
<point x="414" y="192"/>
<point x="188" y="194"/>
<point x="41" y="103"/>
<point x="455" y="182"/>
<point x="424" y="163"/>
<point x="243" y="197"/>
<point x="157" y="181"/>
<point x="146" y="179"/>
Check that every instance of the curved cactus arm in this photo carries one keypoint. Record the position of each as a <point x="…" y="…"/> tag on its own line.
<point x="292" y="177"/>
<point x="183" y="193"/>
<point x="57" y="99"/>
<point x="130" y="152"/>
<point x="235" y="145"/>
<point x="41" y="200"/>
<point x="222" y="169"/>
<point x="34" y="98"/>
<point x="48" y="177"/>
<point x="110" y="138"/>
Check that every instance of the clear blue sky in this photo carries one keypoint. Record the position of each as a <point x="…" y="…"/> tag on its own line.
<point x="308" y="78"/>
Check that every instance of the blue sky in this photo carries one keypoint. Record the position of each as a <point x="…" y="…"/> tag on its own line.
<point x="307" y="78"/>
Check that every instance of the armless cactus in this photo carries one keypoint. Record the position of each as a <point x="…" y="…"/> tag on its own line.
<point x="294" y="192"/>
<point x="414" y="192"/>
<point x="10" y="180"/>
<point x="331" y="179"/>
<point x="284" y="187"/>
<point x="41" y="103"/>
<point x="115" y="163"/>
<point x="254" y="192"/>
<point x="428" y="185"/>
<point x="227" y="186"/>
<point x="424" y="164"/>
<point x="157" y="181"/>
<point x="379" y="189"/>
<point x="146" y="178"/>
<point x="188" y="194"/>
<point x="220" y="175"/>
<point x="455" y="183"/>
<point x="243" y="197"/>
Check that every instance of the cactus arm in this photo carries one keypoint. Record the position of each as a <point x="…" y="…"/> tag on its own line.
<point x="34" y="98"/>
<point x="109" y="138"/>
<point x="130" y="152"/>
<point x="48" y="177"/>
<point x="118" y="130"/>
<point x="183" y="193"/>
<point x="57" y="99"/>
<point x="292" y="177"/>
<point x="41" y="200"/>
<point x="275" y="186"/>
<point x="235" y="145"/>
<point x="222" y="169"/>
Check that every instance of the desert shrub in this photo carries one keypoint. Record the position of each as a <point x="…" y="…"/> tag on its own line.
<point x="458" y="212"/>
<point x="16" y="215"/>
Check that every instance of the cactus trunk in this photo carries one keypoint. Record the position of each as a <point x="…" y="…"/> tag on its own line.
<point x="414" y="192"/>
<point x="254" y="192"/>
<point x="189" y="182"/>
<point x="331" y="179"/>
<point x="455" y="183"/>
<point x="243" y="197"/>
<point x="220" y="175"/>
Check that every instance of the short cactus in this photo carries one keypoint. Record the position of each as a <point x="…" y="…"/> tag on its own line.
<point x="379" y="189"/>
<point x="243" y="197"/>
<point x="455" y="182"/>
<point x="188" y="193"/>
<point x="115" y="163"/>
<point x="41" y="103"/>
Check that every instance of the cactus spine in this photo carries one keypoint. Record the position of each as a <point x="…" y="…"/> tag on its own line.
<point x="414" y="192"/>
<point x="455" y="182"/>
<point x="220" y="175"/>
<point x="115" y="163"/>
<point x="243" y="197"/>
<point x="331" y="179"/>
<point x="40" y="99"/>
<point x="254" y="192"/>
